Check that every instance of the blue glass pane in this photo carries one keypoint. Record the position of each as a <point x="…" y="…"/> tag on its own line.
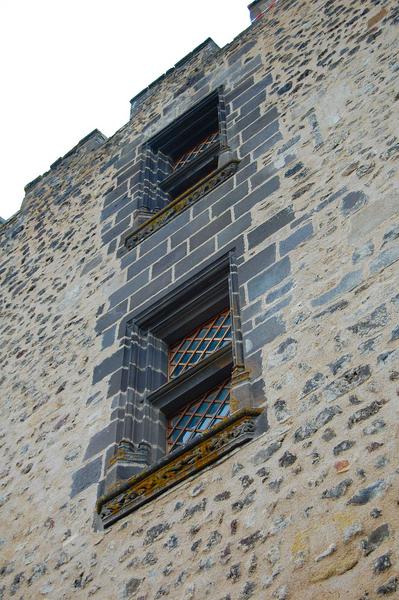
<point x="186" y="436"/>
<point x="195" y="357"/>
<point x="212" y="346"/>
<point x="183" y="421"/>
<point x="185" y="345"/>
<point x="222" y="395"/>
<point x="213" y="408"/>
<point x="176" y="371"/>
<point x="213" y="332"/>
<point x="194" y="422"/>
<point x="204" y="407"/>
<point x="203" y="345"/>
<point x="202" y="333"/>
<point x="220" y="321"/>
<point x="205" y="424"/>
<point x="194" y="345"/>
<point x="185" y="359"/>
<point x="225" y="411"/>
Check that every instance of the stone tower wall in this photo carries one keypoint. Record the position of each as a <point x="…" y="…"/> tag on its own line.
<point x="308" y="510"/>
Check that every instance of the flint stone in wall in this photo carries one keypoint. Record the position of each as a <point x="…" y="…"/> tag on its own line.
<point x="366" y="250"/>
<point x="286" y="351"/>
<point x="314" y="425"/>
<point x="347" y="382"/>
<point x="338" y="491"/>
<point x="375" y="320"/>
<point x="264" y="454"/>
<point x="375" y="539"/>
<point x="389" y="587"/>
<point x="366" y="494"/>
<point x="366" y="412"/>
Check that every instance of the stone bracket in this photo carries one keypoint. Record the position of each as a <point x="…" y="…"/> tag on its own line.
<point x="177" y="466"/>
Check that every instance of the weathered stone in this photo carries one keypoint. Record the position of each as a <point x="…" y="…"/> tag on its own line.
<point x="382" y="563"/>
<point x="375" y="427"/>
<point x="363" y="252"/>
<point x="343" y="447"/>
<point x="384" y="259"/>
<point x="347" y="382"/>
<point x="352" y="531"/>
<point x="328" y="434"/>
<point x="287" y="459"/>
<point x="264" y="454"/>
<point x="375" y="539"/>
<point x="313" y="383"/>
<point x="131" y="587"/>
<point x="339" y="490"/>
<point x="352" y="202"/>
<point x="377" y="319"/>
<point x="366" y="412"/>
<point x="389" y="587"/>
<point x="155" y="532"/>
<point x="395" y="334"/>
<point x="366" y="494"/>
<point x="322" y="418"/>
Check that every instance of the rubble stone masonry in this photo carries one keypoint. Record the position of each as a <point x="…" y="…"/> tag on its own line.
<point x="309" y="509"/>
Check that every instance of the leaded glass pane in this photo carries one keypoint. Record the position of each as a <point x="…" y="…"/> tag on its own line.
<point x="206" y="339"/>
<point x="198" y="416"/>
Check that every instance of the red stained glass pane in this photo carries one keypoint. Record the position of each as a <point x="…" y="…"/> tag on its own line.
<point x="206" y="339"/>
<point x="198" y="416"/>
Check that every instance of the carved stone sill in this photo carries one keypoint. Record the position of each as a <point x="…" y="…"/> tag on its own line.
<point x="232" y="432"/>
<point x="182" y="202"/>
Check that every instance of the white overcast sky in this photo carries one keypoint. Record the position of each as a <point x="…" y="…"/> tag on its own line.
<point x="70" y="66"/>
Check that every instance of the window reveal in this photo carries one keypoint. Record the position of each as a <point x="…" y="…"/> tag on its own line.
<point x="199" y="416"/>
<point x="207" y="338"/>
<point x="182" y="163"/>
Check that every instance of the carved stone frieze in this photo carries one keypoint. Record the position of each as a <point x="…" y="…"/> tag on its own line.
<point x="175" y="467"/>
<point x="181" y="203"/>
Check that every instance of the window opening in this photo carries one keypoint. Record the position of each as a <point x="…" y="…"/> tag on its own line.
<point x="199" y="416"/>
<point x="187" y="151"/>
<point x="204" y="340"/>
<point x="196" y="150"/>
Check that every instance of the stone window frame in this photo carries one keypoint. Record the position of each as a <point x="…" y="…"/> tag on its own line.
<point x="157" y="179"/>
<point x="139" y="468"/>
